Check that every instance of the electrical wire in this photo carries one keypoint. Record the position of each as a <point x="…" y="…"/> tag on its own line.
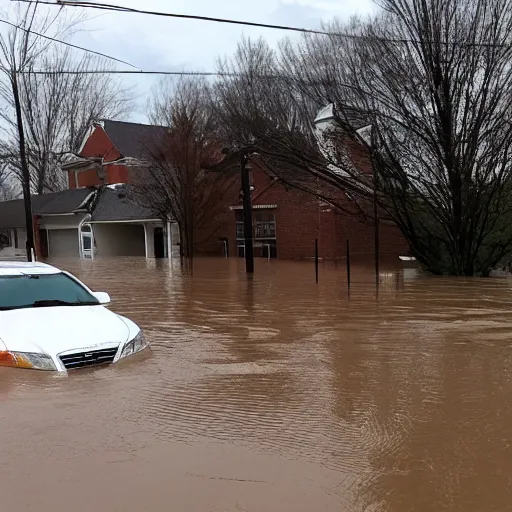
<point x="171" y="73"/>
<point x="120" y="8"/>
<point x="67" y="44"/>
<point x="128" y="72"/>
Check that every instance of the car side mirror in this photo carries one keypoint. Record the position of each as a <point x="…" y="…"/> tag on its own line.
<point x="102" y="297"/>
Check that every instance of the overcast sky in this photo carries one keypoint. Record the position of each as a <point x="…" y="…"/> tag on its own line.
<point x="154" y="43"/>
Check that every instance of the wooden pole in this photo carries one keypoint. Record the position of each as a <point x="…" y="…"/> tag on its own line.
<point x="316" y="259"/>
<point x="247" y="208"/>
<point x="348" y="263"/>
<point x="376" y="227"/>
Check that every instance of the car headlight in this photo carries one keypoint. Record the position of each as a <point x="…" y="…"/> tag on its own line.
<point x="30" y="360"/>
<point x="135" y="345"/>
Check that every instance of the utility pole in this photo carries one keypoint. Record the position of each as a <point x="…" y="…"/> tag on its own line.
<point x="247" y="209"/>
<point x="29" y="219"/>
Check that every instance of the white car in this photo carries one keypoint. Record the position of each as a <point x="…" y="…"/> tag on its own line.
<point x="49" y="320"/>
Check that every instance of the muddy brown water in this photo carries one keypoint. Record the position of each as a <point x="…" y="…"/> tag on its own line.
<point x="273" y="395"/>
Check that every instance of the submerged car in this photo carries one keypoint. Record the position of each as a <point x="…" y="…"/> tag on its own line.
<point x="49" y="320"/>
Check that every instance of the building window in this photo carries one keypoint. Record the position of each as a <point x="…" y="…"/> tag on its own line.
<point x="264" y="225"/>
<point x="239" y="229"/>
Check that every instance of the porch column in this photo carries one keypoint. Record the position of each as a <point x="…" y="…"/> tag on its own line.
<point x="149" y="239"/>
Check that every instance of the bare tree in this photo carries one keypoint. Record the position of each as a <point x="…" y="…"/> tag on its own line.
<point x="7" y="184"/>
<point x="440" y="105"/>
<point x="18" y="50"/>
<point x="424" y="91"/>
<point x="176" y="182"/>
<point x="261" y="107"/>
<point x="58" y="109"/>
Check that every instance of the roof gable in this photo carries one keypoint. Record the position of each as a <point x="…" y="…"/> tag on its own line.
<point x="133" y="139"/>
<point x="99" y="144"/>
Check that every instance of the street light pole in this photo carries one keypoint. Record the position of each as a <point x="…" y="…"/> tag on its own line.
<point x="247" y="209"/>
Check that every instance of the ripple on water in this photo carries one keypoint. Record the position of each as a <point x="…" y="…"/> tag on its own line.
<point x="399" y="399"/>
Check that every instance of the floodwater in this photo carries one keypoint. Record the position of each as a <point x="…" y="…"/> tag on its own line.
<point x="273" y="394"/>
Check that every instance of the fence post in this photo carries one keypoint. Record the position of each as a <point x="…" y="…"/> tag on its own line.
<point x="316" y="259"/>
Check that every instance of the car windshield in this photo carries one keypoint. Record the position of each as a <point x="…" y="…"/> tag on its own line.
<point x="47" y="290"/>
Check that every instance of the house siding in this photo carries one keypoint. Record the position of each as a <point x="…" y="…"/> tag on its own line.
<point x="119" y="240"/>
<point x="99" y="145"/>
<point x="88" y="178"/>
<point x="116" y="174"/>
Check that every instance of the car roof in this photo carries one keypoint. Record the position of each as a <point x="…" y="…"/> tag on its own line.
<point x="21" y="268"/>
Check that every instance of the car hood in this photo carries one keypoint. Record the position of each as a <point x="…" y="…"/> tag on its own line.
<point x="61" y="329"/>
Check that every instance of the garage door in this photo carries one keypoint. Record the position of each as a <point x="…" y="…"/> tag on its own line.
<point x="63" y="242"/>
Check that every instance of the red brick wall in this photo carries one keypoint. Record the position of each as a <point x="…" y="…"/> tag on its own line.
<point x="296" y="220"/>
<point x="300" y="218"/>
<point x="88" y="178"/>
<point x="71" y="179"/>
<point x="116" y="174"/>
<point x="99" y="144"/>
<point x="220" y="224"/>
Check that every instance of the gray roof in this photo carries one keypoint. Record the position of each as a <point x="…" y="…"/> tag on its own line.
<point x="115" y="205"/>
<point x="133" y="139"/>
<point x="107" y="205"/>
<point x="12" y="213"/>
<point x="66" y="201"/>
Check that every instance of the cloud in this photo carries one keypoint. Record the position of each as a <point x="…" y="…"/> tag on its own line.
<point x="154" y="43"/>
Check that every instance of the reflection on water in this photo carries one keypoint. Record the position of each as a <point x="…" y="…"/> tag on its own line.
<point x="274" y="394"/>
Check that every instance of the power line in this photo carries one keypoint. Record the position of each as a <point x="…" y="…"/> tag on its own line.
<point x="169" y="73"/>
<point x="66" y="43"/>
<point x="119" y="8"/>
<point x="128" y="72"/>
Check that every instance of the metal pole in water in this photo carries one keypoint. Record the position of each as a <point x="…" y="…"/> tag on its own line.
<point x="316" y="259"/>
<point x="348" y="263"/>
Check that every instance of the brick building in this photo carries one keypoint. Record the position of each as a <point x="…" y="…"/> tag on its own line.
<point x="108" y="153"/>
<point x="286" y="221"/>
